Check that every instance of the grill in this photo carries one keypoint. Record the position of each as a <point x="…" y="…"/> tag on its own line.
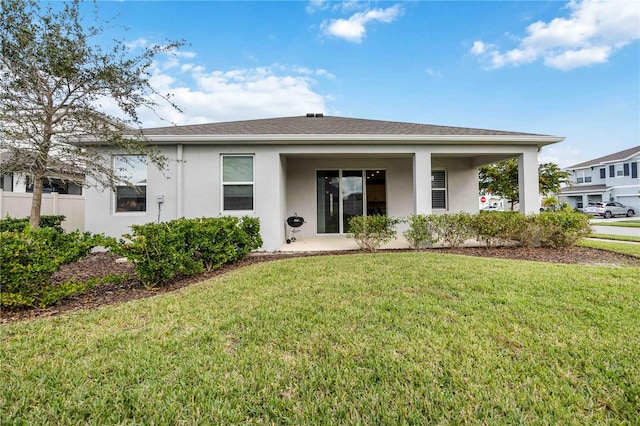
<point x="295" y="222"/>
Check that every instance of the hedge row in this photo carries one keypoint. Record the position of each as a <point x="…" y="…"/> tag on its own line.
<point x="549" y="229"/>
<point x="18" y="225"/>
<point x="188" y="246"/>
<point x="29" y="257"/>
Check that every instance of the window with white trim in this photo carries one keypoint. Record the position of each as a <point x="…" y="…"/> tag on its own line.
<point x="133" y="170"/>
<point x="237" y="182"/>
<point x="439" y="189"/>
<point x="582" y="176"/>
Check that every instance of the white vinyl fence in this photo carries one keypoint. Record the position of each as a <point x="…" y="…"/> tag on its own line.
<point x="18" y="205"/>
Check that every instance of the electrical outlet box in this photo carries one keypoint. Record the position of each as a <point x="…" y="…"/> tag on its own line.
<point x="160" y="198"/>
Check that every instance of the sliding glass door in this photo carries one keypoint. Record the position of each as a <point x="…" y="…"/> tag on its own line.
<point x="343" y="194"/>
<point x="352" y="196"/>
<point x="328" y="200"/>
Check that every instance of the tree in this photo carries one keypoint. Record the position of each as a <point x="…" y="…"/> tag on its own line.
<point x="53" y="82"/>
<point x="501" y="179"/>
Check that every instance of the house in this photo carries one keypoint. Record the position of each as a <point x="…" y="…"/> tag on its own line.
<point x="326" y="169"/>
<point x="61" y="194"/>
<point x="58" y="181"/>
<point x="613" y="177"/>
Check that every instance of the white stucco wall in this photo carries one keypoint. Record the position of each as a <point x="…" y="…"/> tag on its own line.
<point x="285" y="182"/>
<point x="99" y="204"/>
<point x="301" y="184"/>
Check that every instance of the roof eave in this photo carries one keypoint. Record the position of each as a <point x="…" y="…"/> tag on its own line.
<point x="295" y="139"/>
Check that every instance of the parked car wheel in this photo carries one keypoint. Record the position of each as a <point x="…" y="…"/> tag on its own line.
<point x="630" y="213"/>
<point x="607" y="214"/>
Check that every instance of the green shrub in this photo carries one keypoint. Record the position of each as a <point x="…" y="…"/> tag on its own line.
<point x="562" y="228"/>
<point x="371" y="232"/>
<point x="163" y="251"/>
<point x="31" y="256"/>
<point x="18" y="225"/>
<point x="422" y="230"/>
<point x="496" y="228"/>
<point x="455" y="229"/>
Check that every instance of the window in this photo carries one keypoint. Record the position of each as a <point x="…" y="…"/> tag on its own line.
<point x="625" y="168"/>
<point x="634" y="170"/>
<point x="438" y="189"/>
<point x="587" y="179"/>
<point x="612" y="171"/>
<point x="580" y="180"/>
<point x="237" y="182"/>
<point x="603" y="173"/>
<point x="132" y="168"/>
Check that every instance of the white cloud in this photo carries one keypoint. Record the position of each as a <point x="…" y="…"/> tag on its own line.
<point x="354" y="29"/>
<point x="433" y="73"/>
<point x="210" y="96"/>
<point x="315" y="5"/>
<point x="593" y="31"/>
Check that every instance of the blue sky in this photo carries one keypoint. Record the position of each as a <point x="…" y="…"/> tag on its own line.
<point x="554" y="67"/>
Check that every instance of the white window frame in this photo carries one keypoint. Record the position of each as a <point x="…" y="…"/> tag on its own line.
<point x="445" y="190"/>
<point x="582" y="176"/>
<point x="145" y="185"/>
<point x="252" y="183"/>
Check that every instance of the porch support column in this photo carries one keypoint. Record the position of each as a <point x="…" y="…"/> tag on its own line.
<point x="422" y="182"/>
<point x="585" y="200"/>
<point x="268" y="203"/>
<point x="528" y="182"/>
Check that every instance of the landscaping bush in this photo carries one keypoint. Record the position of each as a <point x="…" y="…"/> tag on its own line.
<point x="455" y="229"/>
<point x="562" y="228"/>
<point x="18" y="225"/>
<point x="496" y="228"/>
<point x="163" y="251"/>
<point x="29" y="257"/>
<point x="422" y="230"/>
<point x="371" y="232"/>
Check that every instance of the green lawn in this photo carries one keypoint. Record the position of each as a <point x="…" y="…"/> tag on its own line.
<point x="624" y="248"/>
<point x="615" y="237"/>
<point x="390" y="338"/>
<point x="633" y="223"/>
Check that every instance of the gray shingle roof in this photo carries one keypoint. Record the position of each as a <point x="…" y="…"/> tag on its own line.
<point x="617" y="156"/>
<point x="583" y="188"/>
<point x="328" y="125"/>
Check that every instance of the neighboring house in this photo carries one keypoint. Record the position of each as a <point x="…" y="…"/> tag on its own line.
<point x="57" y="181"/>
<point x="614" y="177"/>
<point x="60" y="197"/>
<point x="325" y="169"/>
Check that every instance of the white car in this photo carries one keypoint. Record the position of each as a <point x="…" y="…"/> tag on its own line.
<point x="608" y="210"/>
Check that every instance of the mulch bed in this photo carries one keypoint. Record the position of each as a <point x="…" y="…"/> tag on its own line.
<point x="102" y="264"/>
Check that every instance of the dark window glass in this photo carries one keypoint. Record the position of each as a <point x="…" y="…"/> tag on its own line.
<point x="438" y="189"/>
<point x="131" y="199"/>
<point x="634" y="170"/>
<point x="625" y="167"/>
<point x="603" y="173"/>
<point x="238" y="197"/>
<point x="612" y="171"/>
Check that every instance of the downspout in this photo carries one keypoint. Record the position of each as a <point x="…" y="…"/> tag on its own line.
<point x="179" y="189"/>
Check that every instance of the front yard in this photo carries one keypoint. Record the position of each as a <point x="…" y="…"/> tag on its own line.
<point x="387" y="338"/>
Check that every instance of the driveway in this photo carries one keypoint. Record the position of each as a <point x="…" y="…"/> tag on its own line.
<point x="615" y="230"/>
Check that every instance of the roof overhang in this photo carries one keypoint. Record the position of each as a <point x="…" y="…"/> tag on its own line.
<point x="360" y="139"/>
